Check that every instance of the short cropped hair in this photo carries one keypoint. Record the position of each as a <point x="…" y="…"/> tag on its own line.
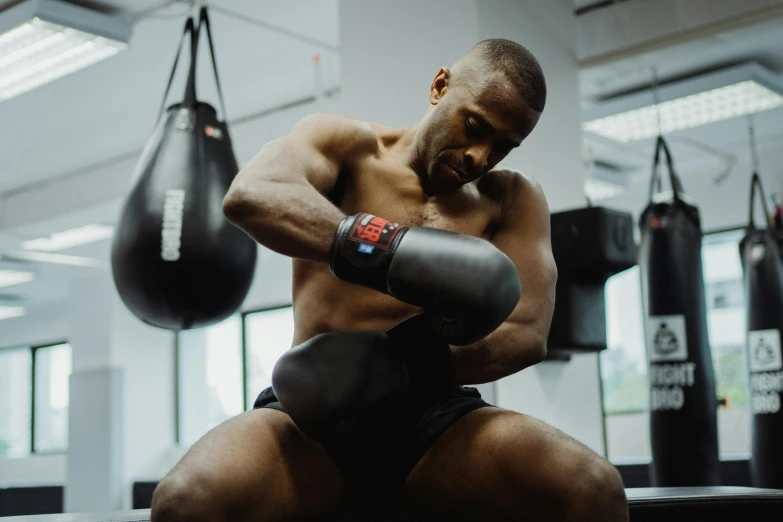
<point x="517" y="64"/>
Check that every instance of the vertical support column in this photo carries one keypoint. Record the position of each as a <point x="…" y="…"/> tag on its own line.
<point x="95" y="468"/>
<point x="565" y="395"/>
<point x="391" y="51"/>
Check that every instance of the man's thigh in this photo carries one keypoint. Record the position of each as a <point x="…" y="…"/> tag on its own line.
<point x="497" y="465"/>
<point x="257" y="465"/>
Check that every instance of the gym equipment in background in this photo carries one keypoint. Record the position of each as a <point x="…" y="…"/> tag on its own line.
<point x="589" y="245"/>
<point x="177" y="261"/>
<point x="683" y="402"/>
<point x="761" y="251"/>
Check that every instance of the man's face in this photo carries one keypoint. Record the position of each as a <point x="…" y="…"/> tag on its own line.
<point x="471" y="127"/>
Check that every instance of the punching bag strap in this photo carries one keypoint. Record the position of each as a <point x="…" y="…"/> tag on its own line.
<point x="204" y="19"/>
<point x="190" y="87"/>
<point x="189" y="29"/>
<point x="190" y="90"/>
<point x="655" y="181"/>
<point x="754" y="184"/>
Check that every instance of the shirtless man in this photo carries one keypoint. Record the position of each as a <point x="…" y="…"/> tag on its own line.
<point x="378" y="414"/>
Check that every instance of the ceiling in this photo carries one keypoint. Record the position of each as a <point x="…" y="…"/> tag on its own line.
<point x="709" y="147"/>
<point x="107" y="111"/>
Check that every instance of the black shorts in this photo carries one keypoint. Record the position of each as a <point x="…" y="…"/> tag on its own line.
<point x="377" y="451"/>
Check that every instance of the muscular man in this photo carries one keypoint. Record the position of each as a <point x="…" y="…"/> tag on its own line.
<point x="436" y="449"/>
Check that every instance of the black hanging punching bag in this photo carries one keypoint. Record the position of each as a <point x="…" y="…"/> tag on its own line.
<point x="761" y="251"/>
<point x="177" y="262"/>
<point x="683" y="402"/>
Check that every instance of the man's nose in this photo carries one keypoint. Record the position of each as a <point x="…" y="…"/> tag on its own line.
<point x="476" y="156"/>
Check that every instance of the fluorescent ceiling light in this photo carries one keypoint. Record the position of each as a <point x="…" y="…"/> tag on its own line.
<point x="596" y="189"/>
<point x="8" y="312"/>
<point x="10" y="277"/>
<point x="710" y="98"/>
<point x="43" y="40"/>
<point x="605" y="181"/>
<point x="57" y="259"/>
<point x="70" y="238"/>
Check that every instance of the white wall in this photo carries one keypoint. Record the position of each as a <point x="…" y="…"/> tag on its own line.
<point x="39" y="470"/>
<point x="391" y="52"/>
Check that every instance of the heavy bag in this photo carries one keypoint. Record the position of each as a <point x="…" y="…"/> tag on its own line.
<point x="683" y="402"/>
<point x="177" y="261"/>
<point x="761" y="251"/>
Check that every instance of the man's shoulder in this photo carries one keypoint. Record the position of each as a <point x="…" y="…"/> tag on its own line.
<point x="338" y="134"/>
<point x="512" y="187"/>
<point x="336" y="127"/>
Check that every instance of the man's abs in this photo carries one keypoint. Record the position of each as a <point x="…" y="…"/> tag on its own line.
<point x="323" y="303"/>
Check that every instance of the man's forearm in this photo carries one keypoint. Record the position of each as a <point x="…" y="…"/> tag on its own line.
<point x="292" y="219"/>
<point x="504" y="352"/>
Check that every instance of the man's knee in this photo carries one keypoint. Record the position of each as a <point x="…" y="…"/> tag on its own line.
<point x="182" y="498"/>
<point x="593" y="490"/>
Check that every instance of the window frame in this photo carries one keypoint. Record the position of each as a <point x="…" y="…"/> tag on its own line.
<point x="244" y="363"/>
<point x="33" y="349"/>
<point x="243" y="319"/>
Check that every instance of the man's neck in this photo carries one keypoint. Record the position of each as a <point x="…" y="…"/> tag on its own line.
<point x="408" y="147"/>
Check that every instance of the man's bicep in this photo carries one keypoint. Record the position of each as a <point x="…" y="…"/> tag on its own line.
<point x="328" y="143"/>
<point x="524" y="236"/>
<point x="315" y="152"/>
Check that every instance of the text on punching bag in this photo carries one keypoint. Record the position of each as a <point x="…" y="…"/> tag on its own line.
<point x="667" y="382"/>
<point x="171" y="232"/>
<point x="765" y="392"/>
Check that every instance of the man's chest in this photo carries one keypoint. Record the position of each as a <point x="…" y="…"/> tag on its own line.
<point x="396" y="194"/>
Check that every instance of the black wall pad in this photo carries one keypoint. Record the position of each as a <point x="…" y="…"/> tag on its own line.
<point x="31" y="500"/>
<point x="142" y="494"/>
<point x="732" y="473"/>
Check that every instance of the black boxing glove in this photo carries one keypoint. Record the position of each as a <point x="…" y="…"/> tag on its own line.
<point x="336" y="376"/>
<point x="467" y="285"/>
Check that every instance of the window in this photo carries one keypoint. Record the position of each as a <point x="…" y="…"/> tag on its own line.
<point x="52" y="371"/>
<point x="725" y="295"/>
<point x="624" y="363"/>
<point x="214" y="364"/>
<point x="34" y="391"/>
<point x="210" y="383"/>
<point x="268" y="335"/>
<point x="15" y="402"/>
<point x="624" y="370"/>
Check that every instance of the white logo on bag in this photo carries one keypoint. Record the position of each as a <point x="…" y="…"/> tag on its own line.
<point x="171" y="233"/>
<point x="764" y="349"/>
<point x="666" y="338"/>
<point x="766" y="381"/>
<point x="666" y="342"/>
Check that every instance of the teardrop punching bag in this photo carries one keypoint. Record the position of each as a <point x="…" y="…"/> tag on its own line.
<point x="762" y="250"/>
<point x="177" y="261"/>
<point x="683" y="403"/>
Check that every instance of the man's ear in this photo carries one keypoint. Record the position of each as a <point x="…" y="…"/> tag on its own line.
<point x="440" y="85"/>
